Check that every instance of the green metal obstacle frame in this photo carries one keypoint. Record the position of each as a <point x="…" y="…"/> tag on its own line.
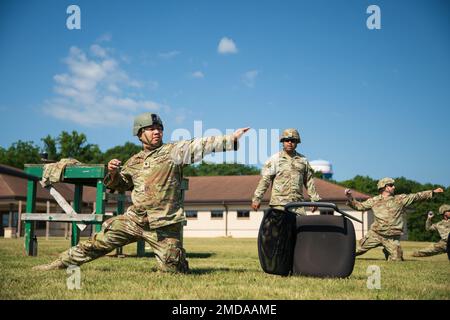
<point x="80" y="175"/>
<point x="85" y="175"/>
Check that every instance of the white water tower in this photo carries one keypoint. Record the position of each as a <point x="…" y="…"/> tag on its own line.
<point x="324" y="167"/>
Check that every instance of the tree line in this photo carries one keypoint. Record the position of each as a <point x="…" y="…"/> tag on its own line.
<point x="75" y="145"/>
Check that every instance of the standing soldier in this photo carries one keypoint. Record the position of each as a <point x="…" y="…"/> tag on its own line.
<point x="443" y="227"/>
<point x="288" y="171"/>
<point x="388" y="212"/>
<point x="154" y="175"/>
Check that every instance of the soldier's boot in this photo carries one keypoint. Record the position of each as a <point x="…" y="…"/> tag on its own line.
<point x="386" y="254"/>
<point x="55" y="265"/>
<point x="183" y="267"/>
<point x="175" y="261"/>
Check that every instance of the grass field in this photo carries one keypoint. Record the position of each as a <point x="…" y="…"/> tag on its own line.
<point x="222" y="268"/>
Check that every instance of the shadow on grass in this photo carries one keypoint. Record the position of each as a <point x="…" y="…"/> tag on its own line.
<point x="201" y="271"/>
<point x="192" y="271"/>
<point x="197" y="255"/>
<point x="371" y="259"/>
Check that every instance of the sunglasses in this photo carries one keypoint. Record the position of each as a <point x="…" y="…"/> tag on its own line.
<point x="290" y="140"/>
<point x="390" y="185"/>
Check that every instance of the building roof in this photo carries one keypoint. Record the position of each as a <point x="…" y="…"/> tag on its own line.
<point x="15" y="188"/>
<point x="202" y="190"/>
<point x="240" y="189"/>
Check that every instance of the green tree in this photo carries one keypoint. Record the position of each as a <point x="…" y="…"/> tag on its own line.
<point x="50" y="148"/>
<point x="123" y="153"/>
<point x="71" y="145"/>
<point x="363" y="184"/>
<point x="20" y="153"/>
<point x="75" y="145"/>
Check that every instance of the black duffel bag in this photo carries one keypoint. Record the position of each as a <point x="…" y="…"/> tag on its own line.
<point x="315" y="245"/>
<point x="276" y="241"/>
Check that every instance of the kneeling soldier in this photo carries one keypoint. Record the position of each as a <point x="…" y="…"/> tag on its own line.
<point x="154" y="175"/>
<point x="443" y="227"/>
<point x="388" y="210"/>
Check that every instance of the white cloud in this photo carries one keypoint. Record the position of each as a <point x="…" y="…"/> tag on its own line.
<point x="92" y="91"/>
<point x="98" y="51"/>
<point x="249" y="78"/>
<point x="168" y="55"/>
<point x="226" y="46"/>
<point x="197" y="75"/>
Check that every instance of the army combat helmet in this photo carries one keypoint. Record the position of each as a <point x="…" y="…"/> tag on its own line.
<point x="146" y="119"/>
<point x="444" y="208"/>
<point x="290" y="134"/>
<point x="383" y="182"/>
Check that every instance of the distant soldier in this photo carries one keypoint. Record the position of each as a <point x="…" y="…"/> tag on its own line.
<point x="288" y="171"/>
<point x="154" y="175"/>
<point x="388" y="212"/>
<point x="443" y="227"/>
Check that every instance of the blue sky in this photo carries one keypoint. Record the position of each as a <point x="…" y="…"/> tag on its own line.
<point x="372" y="102"/>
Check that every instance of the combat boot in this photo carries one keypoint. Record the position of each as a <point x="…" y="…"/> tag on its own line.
<point x="55" y="265"/>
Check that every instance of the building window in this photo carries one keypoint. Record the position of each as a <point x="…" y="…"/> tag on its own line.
<point x="216" y="214"/>
<point x="243" y="214"/>
<point x="191" y="214"/>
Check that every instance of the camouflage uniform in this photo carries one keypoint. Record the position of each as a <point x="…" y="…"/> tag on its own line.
<point x="443" y="227"/>
<point x="287" y="175"/>
<point x="388" y="226"/>
<point x="53" y="172"/>
<point x="157" y="214"/>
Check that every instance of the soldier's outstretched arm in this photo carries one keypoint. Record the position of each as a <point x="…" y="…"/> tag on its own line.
<point x="191" y="151"/>
<point x="409" y="199"/>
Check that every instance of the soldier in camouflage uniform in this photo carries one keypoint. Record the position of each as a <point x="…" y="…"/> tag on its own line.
<point x="443" y="227"/>
<point x="288" y="171"/>
<point x="154" y="175"/>
<point x="388" y="212"/>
